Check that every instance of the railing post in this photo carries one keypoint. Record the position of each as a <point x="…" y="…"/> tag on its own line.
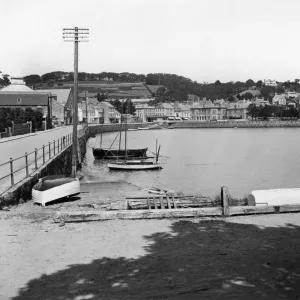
<point x="57" y="145"/>
<point x="26" y="164"/>
<point x="54" y="146"/>
<point x="49" y="150"/>
<point x="43" y="154"/>
<point x="35" y="157"/>
<point x="11" y="171"/>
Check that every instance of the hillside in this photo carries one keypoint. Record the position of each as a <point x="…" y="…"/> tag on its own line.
<point x="165" y="87"/>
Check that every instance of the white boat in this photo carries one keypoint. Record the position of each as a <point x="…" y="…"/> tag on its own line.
<point x="51" y="188"/>
<point x="274" y="197"/>
<point x="132" y="129"/>
<point x="143" y="128"/>
<point x="134" y="166"/>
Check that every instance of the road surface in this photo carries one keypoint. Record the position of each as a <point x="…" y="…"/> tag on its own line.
<point x="16" y="146"/>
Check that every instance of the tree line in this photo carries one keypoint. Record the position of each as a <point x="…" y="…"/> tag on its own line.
<point x="176" y="88"/>
<point x="272" y="111"/>
<point x="19" y="115"/>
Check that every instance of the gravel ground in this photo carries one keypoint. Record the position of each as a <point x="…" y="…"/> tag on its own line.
<point x="249" y="257"/>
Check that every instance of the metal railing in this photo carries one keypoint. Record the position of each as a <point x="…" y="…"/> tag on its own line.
<point x="33" y="160"/>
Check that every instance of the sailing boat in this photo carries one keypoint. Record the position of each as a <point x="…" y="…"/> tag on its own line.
<point x="135" y="165"/>
<point x="108" y="153"/>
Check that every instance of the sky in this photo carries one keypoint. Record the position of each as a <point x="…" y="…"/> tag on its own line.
<point x="205" y="40"/>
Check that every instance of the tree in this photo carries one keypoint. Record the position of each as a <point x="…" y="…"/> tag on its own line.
<point x="218" y="82"/>
<point x="248" y="96"/>
<point x="252" y="111"/>
<point x="250" y="82"/>
<point x="32" y="79"/>
<point x="259" y="84"/>
<point x="101" y="97"/>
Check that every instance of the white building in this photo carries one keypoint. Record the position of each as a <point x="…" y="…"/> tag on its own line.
<point x="110" y="114"/>
<point x="279" y="99"/>
<point x="270" y="82"/>
<point x="291" y="95"/>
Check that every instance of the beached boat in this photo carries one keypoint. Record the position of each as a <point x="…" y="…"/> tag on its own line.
<point x="143" y="128"/>
<point x="51" y="188"/>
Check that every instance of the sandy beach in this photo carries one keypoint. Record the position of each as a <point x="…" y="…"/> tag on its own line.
<point x="252" y="257"/>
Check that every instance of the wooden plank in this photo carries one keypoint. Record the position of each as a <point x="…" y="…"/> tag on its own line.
<point x="149" y="203"/>
<point x="144" y="205"/>
<point x="161" y="200"/>
<point x="175" y="205"/>
<point x="155" y="204"/>
<point x="88" y="216"/>
<point x="168" y="202"/>
<point x="247" y="210"/>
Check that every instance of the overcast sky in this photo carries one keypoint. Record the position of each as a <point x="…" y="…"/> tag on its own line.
<point x="204" y="40"/>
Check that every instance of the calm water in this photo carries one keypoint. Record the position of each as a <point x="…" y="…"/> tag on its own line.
<point x="203" y="160"/>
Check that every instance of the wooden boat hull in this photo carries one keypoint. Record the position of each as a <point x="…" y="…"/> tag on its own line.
<point x="100" y="153"/>
<point x="143" y="128"/>
<point x="275" y="197"/>
<point x="70" y="188"/>
<point x="134" y="167"/>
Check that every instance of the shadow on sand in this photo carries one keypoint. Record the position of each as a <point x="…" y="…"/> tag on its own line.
<point x="208" y="259"/>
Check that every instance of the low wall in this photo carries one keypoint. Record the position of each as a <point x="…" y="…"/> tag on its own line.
<point x="230" y="124"/>
<point x="95" y="129"/>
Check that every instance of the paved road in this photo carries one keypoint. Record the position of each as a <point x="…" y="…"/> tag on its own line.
<point x="16" y="147"/>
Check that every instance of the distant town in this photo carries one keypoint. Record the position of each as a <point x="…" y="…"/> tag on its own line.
<point x="105" y="97"/>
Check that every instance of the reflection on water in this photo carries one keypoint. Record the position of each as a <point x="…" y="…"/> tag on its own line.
<point x="203" y="160"/>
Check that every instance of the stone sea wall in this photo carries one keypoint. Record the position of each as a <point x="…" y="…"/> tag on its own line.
<point x="230" y="124"/>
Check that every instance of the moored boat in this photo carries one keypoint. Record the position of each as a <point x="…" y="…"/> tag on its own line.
<point x="134" y="166"/>
<point x="143" y="128"/>
<point x="100" y="153"/>
<point x="51" y="188"/>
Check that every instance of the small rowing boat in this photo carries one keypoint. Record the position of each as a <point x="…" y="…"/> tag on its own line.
<point x="54" y="187"/>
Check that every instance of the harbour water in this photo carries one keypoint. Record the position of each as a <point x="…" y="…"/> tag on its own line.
<point x="203" y="160"/>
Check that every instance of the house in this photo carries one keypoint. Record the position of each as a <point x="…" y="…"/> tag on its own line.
<point x="62" y="103"/>
<point x="291" y="95"/>
<point x="17" y="94"/>
<point x="110" y="114"/>
<point x="182" y="110"/>
<point x="270" y="82"/>
<point x="164" y="110"/>
<point x="145" y="112"/>
<point x="237" y="110"/>
<point x="208" y="111"/>
<point x="279" y="100"/>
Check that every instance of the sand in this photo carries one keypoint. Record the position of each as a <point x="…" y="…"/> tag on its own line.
<point x="249" y="257"/>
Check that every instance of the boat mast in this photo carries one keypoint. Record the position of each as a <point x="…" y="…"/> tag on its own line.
<point x="120" y="129"/>
<point x="156" y="152"/>
<point x="125" y="136"/>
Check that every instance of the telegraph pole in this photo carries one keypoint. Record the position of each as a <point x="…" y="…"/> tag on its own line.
<point x="86" y="110"/>
<point x="75" y="35"/>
